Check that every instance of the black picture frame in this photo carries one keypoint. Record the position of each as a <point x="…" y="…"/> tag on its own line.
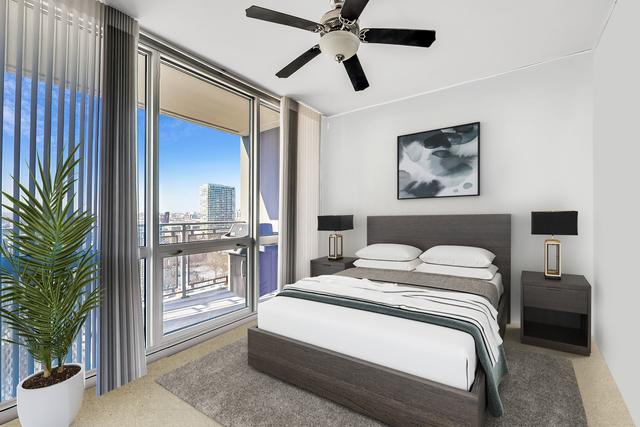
<point x="399" y="146"/>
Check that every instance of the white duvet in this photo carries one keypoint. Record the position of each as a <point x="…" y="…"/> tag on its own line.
<point x="429" y="351"/>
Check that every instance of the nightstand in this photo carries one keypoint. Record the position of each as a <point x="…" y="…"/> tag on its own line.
<point x="556" y="313"/>
<point x="324" y="265"/>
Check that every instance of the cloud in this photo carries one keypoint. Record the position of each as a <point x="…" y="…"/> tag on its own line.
<point x="8" y="120"/>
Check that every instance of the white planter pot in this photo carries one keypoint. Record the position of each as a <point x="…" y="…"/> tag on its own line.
<point x="53" y="406"/>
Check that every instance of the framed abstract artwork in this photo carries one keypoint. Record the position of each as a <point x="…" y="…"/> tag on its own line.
<point x="440" y="163"/>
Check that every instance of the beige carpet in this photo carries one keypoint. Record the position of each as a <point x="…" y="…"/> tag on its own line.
<point x="145" y="403"/>
<point x="540" y="390"/>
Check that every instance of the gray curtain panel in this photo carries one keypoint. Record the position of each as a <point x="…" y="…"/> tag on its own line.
<point x="122" y="351"/>
<point x="288" y="203"/>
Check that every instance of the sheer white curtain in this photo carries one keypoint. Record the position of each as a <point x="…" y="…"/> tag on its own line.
<point x="50" y="93"/>
<point x="308" y="189"/>
<point x="288" y="179"/>
<point x="300" y="192"/>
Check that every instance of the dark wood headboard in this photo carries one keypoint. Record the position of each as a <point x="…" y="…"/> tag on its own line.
<point x="491" y="232"/>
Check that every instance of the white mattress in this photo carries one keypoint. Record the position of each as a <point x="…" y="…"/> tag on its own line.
<point x="436" y="353"/>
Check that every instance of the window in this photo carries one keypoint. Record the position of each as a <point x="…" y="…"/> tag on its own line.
<point x="204" y="149"/>
<point x="142" y="146"/>
<point x="209" y="219"/>
<point x="49" y="99"/>
<point x="269" y="199"/>
<point x="143" y="286"/>
<point x="142" y="133"/>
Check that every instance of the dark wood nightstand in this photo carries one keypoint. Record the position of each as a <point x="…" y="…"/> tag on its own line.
<point x="324" y="265"/>
<point x="556" y="313"/>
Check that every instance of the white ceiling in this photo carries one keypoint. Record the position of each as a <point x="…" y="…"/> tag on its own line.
<point x="475" y="39"/>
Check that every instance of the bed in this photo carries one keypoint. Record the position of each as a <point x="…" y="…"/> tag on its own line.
<point x="357" y="358"/>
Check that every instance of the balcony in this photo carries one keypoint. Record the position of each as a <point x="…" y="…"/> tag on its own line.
<point x="205" y="286"/>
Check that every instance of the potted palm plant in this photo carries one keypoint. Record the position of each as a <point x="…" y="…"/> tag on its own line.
<point x="48" y="266"/>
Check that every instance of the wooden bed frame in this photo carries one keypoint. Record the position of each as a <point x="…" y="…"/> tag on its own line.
<point x="388" y="395"/>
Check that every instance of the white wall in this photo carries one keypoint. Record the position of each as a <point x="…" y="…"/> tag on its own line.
<point x="536" y="154"/>
<point x="617" y="199"/>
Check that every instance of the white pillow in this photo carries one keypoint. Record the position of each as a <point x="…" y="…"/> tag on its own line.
<point x="389" y="252"/>
<point x="473" y="273"/>
<point x="461" y="256"/>
<point x="388" y="265"/>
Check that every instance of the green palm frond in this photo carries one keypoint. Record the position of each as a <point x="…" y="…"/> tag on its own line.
<point x="49" y="265"/>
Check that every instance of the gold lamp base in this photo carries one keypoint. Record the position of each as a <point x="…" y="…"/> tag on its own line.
<point x="552" y="259"/>
<point x="335" y="246"/>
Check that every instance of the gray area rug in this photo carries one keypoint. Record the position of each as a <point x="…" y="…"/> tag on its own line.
<point x="540" y="390"/>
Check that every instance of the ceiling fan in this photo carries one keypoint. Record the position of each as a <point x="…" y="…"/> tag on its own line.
<point x="340" y="37"/>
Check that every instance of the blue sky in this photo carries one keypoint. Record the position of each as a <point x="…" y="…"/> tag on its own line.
<point x="9" y="121"/>
<point x="190" y="154"/>
<point x="8" y="128"/>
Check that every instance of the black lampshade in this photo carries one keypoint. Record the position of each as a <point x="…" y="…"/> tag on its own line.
<point x="561" y="223"/>
<point x="335" y="222"/>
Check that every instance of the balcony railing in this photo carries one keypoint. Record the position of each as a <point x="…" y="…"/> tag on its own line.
<point x="182" y="232"/>
<point x="180" y="287"/>
<point x="181" y="282"/>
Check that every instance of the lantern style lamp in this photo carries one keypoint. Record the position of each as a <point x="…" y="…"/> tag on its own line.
<point x="556" y="223"/>
<point x="335" y="223"/>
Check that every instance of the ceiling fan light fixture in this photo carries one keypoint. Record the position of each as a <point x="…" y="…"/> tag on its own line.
<point x="340" y="37"/>
<point x="339" y="45"/>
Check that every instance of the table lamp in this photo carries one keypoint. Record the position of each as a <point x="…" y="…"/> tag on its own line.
<point x="556" y="223"/>
<point x="335" y="223"/>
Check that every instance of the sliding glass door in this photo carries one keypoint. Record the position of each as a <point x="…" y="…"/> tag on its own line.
<point x="203" y="227"/>
<point x="210" y="198"/>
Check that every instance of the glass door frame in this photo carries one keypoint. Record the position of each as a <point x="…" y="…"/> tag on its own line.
<point x="158" y="52"/>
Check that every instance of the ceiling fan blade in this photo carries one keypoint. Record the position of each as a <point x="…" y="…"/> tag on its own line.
<point x="356" y="73"/>
<point x="419" y="38"/>
<point x="351" y="9"/>
<point x="269" y="15"/>
<point x="299" y="62"/>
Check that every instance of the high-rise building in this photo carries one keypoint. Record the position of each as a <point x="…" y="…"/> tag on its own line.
<point x="217" y="203"/>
